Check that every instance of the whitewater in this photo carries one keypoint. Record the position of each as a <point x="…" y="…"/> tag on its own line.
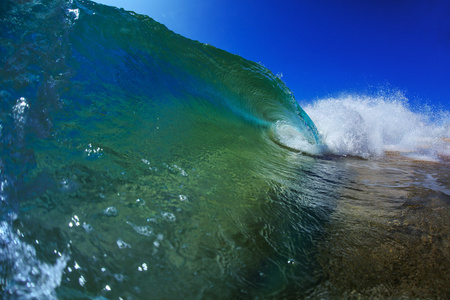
<point x="138" y="164"/>
<point x="370" y="126"/>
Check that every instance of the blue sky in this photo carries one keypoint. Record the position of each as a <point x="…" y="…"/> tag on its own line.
<point x="325" y="47"/>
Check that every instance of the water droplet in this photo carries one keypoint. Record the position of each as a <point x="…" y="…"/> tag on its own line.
<point x="291" y="261"/>
<point x="76" y="266"/>
<point x="82" y="280"/>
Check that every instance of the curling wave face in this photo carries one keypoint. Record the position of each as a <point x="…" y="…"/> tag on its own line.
<point x="134" y="160"/>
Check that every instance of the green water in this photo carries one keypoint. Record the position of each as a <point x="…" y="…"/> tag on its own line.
<point x="141" y="164"/>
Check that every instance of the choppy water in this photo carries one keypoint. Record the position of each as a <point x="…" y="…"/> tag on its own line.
<point x="137" y="164"/>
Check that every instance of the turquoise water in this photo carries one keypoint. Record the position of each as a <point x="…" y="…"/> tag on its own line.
<point x="138" y="164"/>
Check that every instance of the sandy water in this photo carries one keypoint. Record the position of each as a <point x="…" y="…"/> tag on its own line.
<point x="389" y="235"/>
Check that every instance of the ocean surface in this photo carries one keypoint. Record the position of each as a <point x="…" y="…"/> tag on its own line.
<point x="138" y="164"/>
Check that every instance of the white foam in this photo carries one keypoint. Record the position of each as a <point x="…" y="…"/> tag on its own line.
<point x="367" y="126"/>
<point x="27" y="277"/>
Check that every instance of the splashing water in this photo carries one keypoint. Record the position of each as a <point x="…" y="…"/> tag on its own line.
<point x="27" y="277"/>
<point x="368" y="126"/>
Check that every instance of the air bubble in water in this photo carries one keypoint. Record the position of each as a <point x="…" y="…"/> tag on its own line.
<point x="122" y="245"/>
<point x="87" y="227"/>
<point x="142" y="230"/>
<point x="169" y="216"/>
<point x="110" y="211"/>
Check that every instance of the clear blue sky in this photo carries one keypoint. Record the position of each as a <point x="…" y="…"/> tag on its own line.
<point x="324" y="47"/>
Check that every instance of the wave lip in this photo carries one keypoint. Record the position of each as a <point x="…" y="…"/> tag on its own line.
<point x="292" y="138"/>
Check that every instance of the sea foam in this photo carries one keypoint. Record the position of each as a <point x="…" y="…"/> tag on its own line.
<point x="370" y="126"/>
<point x="23" y="275"/>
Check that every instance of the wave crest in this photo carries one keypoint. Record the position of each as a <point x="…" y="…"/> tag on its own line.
<point x="367" y="126"/>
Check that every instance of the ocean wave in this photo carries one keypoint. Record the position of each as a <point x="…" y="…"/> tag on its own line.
<point x="168" y="167"/>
